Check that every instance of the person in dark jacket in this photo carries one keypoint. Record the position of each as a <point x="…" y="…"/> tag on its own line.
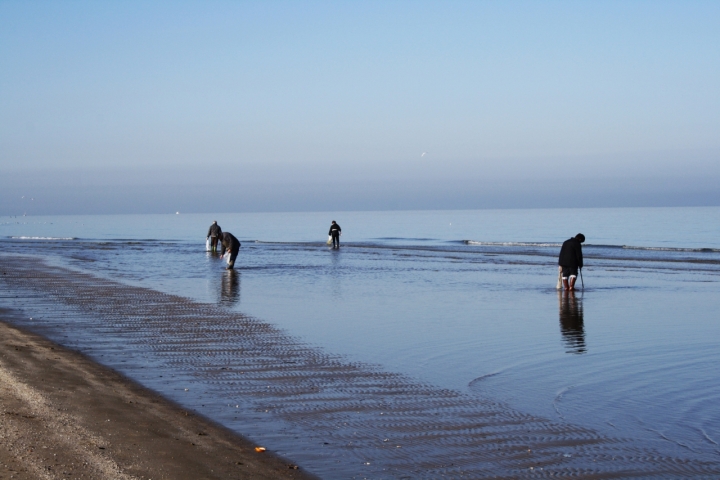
<point x="571" y="259"/>
<point x="229" y="244"/>
<point x="214" y="233"/>
<point x="335" y="232"/>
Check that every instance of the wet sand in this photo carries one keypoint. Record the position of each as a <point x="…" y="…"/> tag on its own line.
<point x="64" y="416"/>
<point x="337" y="418"/>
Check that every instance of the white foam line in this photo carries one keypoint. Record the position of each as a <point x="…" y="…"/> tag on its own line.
<point x="513" y="244"/>
<point x="43" y="238"/>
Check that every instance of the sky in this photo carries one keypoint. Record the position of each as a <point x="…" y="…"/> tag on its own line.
<point x="213" y="106"/>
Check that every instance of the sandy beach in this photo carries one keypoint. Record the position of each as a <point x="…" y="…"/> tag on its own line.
<point x="64" y="416"/>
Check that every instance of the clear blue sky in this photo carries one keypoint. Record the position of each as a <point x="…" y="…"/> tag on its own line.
<point x="234" y="106"/>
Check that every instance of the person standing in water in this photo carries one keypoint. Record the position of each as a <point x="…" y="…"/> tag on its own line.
<point x="213" y="234"/>
<point x="229" y="244"/>
<point x="335" y="232"/>
<point x="571" y="259"/>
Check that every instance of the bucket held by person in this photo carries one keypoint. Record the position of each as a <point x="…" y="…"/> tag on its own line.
<point x="559" y="280"/>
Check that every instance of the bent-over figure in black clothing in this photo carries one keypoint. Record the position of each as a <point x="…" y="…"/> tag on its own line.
<point x="335" y="232"/>
<point x="231" y="244"/>
<point x="571" y="258"/>
<point x="214" y="233"/>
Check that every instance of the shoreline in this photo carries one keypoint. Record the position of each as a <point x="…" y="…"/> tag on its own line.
<point x="63" y="415"/>
<point x="342" y="419"/>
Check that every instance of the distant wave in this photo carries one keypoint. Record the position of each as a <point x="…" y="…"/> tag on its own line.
<point x="511" y="244"/>
<point x="272" y="242"/>
<point x="622" y="247"/>
<point x="407" y="238"/>
<point x="43" y="238"/>
<point x="657" y="249"/>
<point x="671" y="249"/>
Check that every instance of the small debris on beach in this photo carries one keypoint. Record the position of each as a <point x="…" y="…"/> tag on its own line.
<point x="259" y="449"/>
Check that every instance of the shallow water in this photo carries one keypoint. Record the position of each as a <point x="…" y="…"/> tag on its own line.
<point x="459" y="300"/>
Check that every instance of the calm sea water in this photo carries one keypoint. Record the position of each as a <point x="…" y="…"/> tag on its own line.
<point x="464" y="300"/>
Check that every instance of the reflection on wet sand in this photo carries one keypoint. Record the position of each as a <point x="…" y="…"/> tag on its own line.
<point x="571" y="322"/>
<point x="230" y="288"/>
<point x="336" y="274"/>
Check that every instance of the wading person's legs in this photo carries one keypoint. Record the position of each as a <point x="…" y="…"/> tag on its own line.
<point x="233" y="256"/>
<point x="569" y="275"/>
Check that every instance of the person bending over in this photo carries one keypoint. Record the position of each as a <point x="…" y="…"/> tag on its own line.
<point x="335" y="232"/>
<point x="229" y="244"/>
<point x="213" y="234"/>
<point x="571" y="259"/>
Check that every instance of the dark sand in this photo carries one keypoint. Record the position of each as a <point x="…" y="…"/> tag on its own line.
<point x="64" y="416"/>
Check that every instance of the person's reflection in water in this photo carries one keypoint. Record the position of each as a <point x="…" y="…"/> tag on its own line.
<point x="230" y="288"/>
<point x="571" y="322"/>
<point x="336" y="275"/>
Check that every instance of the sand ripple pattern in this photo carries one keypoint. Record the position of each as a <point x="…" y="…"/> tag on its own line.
<point x="374" y="423"/>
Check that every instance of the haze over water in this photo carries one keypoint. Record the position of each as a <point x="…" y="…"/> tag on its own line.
<point x="463" y="300"/>
<point x="157" y="107"/>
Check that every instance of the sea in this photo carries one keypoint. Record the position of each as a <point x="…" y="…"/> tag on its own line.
<point x="461" y="300"/>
